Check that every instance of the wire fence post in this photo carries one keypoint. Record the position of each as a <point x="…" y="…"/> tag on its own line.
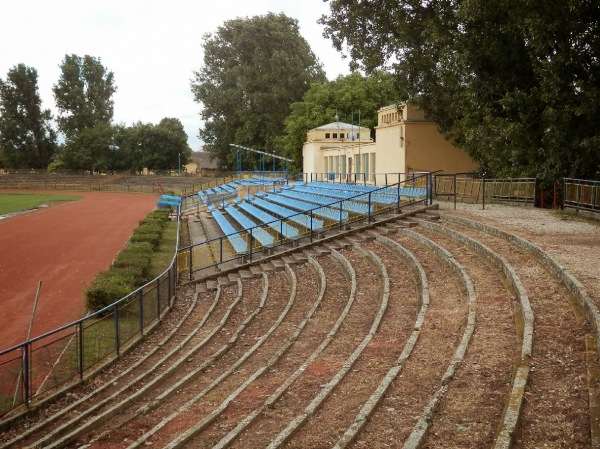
<point x="26" y="373"/>
<point x="117" y="334"/>
<point x="141" y="309"/>
<point x="81" y="352"/>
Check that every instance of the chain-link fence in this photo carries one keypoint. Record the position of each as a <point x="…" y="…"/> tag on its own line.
<point x="41" y="365"/>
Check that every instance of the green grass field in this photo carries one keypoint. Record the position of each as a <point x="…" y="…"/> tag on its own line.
<point x="15" y="202"/>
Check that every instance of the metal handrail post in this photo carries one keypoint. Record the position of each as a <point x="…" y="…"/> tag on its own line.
<point x="483" y="195"/>
<point x="191" y="261"/>
<point x="430" y="179"/>
<point x="251" y="244"/>
<point x="455" y="191"/>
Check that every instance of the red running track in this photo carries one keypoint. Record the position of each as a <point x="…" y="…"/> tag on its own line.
<point x="64" y="246"/>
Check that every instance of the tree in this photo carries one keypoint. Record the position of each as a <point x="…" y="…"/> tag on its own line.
<point x="345" y="97"/>
<point x="513" y="83"/>
<point x="118" y="147"/>
<point x="165" y="145"/>
<point x="253" y="70"/>
<point x="83" y="94"/>
<point x="92" y="149"/>
<point x="26" y="136"/>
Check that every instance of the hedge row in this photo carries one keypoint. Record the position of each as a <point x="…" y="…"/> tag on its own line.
<point x="132" y="267"/>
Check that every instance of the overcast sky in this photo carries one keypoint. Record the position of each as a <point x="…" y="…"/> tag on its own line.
<point x="151" y="46"/>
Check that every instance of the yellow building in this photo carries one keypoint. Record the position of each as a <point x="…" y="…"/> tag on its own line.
<point x="405" y="142"/>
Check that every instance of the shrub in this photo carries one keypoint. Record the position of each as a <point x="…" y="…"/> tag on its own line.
<point x="107" y="288"/>
<point x="150" y="237"/>
<point x="132" y="266"/>
<point x="135" y="266"/>
<point x="150" y="227"/>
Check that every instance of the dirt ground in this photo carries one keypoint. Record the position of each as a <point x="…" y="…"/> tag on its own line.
<point x="64" y="246"/>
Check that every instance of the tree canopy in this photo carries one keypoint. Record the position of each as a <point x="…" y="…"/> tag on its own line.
<point x="345" y="97"/>
<point x="26" y="136"/>
<point x="513" y="83"/>
<point x="253" y="70"/>
<point x="83" y="94"/>
<point x="144" y="145"/>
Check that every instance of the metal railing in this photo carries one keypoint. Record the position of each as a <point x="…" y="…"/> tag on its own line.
<point x="218" y="251"/>
<point x="44" y="364"/>
<point x="476" y="187"/>
<point x="581" y="194"/>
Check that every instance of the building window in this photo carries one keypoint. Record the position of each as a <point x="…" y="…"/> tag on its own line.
<point x="341" y="135"/>
<point x="358" y="136"/>
<point x="327" y="135"/>
<point x="335" y="135"/>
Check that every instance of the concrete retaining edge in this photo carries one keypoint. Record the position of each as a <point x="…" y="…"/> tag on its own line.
<point x="570" y="282"/>
<point x="512" y="411"/>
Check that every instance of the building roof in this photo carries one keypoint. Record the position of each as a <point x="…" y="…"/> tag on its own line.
<point x="203" y="159"/>
<point x="334" y="126"/>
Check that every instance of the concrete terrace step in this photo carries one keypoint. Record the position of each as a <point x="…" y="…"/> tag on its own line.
<point x="223" y="281"/>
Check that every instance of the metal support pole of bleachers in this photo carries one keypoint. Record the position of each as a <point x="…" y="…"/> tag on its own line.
<point x="311" y="226"/>
<point x="369" y="209"/>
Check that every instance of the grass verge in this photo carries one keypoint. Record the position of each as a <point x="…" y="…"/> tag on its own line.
<point x="15" y="202"/>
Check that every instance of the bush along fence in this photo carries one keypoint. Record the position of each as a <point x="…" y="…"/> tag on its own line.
<point x="358" y="204"/>
<point x="125" y="305"/>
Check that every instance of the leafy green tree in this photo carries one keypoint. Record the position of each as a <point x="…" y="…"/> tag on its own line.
<point x="253" y="70"/>
<point x="345" y="97"/>
<point x="164" y="145"/>
<point x="26" y="136"/>
<point x="92" y="149"/>
<point x="83" y="94"/>
<point x="513" y="83"/>
<point x="155" y="147"/>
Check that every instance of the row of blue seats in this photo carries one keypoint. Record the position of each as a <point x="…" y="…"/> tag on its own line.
<point x="312" y="197"/>
<point x="344" y="186"/>
<point x="413" y="192"/>
<point x="305" y="206"/>
<point x="169" y="201"/>
<point x="234" y="237"/>
<point x="274" y="223"/>
<point x="293" y="215"/>
<point x="378" y="194"/>
<point x="386" y="195"/>
<point x="259" y="234"/>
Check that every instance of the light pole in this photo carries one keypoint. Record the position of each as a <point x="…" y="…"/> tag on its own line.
<point x="179" y="162"/>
